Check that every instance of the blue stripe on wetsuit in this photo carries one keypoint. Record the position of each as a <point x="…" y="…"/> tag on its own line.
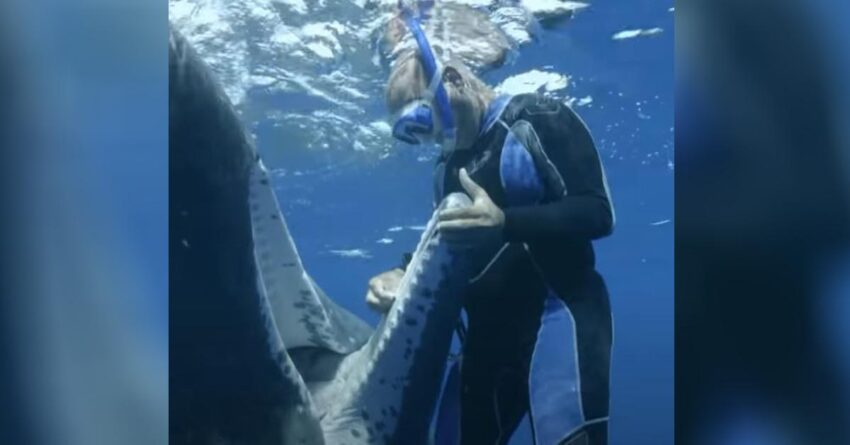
<point x="520" y="181"/>
<point x="554" y="382"/>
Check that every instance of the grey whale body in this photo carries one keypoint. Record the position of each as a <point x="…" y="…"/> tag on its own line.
<point x="258" y="353"/>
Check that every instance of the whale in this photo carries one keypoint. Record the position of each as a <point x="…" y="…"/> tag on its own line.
<point x="258" y="353"/>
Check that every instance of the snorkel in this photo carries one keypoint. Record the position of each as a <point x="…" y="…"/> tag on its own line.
<point x="418" y="117"/>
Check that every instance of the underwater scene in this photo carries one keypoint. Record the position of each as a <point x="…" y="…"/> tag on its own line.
<point x="309" y="80"/>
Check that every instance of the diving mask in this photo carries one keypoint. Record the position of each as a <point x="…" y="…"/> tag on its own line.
<point x="415" y="123"/>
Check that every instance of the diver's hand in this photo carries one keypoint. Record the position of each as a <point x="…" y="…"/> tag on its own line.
<point x="482" y="219"/>
<point x="382" y="290"/>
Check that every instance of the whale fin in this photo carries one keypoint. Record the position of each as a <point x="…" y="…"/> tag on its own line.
<point x="304" y="315"/>
<point x="230" y="378"/>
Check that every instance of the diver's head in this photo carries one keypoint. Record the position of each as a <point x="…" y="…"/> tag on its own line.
<point x="418" y="116"/>
<point x="469" y="98"/>
<point x="428" y="99"/>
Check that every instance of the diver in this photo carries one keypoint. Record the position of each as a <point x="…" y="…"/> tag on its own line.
<point x="539" y="331"/>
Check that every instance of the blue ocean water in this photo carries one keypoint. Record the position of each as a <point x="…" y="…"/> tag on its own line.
<point x="353" y="215"/>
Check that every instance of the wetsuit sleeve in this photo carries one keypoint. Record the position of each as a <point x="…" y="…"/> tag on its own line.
<point x="585" y="211"/>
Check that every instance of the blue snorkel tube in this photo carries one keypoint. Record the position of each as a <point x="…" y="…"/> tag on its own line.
<point x="422" y="116"/>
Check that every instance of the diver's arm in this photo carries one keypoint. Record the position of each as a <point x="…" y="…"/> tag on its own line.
<point x="582" y="217"/>
<point x="585" y="212"/>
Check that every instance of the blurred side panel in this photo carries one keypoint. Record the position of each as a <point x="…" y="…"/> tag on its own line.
<point x="13" y="427"/>
<point x="84" y="309"/>
<point x="761" y="222"/>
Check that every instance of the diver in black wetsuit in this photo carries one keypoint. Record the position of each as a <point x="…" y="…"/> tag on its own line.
<point x="546" y="211"/>
<point x="504" y="306"/>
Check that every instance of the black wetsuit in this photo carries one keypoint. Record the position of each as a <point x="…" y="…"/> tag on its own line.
<point x="504" y="306"/>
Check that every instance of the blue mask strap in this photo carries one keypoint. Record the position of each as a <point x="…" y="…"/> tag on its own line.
<point x="434" y="74"/>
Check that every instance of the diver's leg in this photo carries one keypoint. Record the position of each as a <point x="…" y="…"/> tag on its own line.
<point x="510" y="399"/>
<point x="591" y="311"/>
<point x="494" y="399"/>
<point x="494" y="371"/>
<point x="478" y="420"/>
